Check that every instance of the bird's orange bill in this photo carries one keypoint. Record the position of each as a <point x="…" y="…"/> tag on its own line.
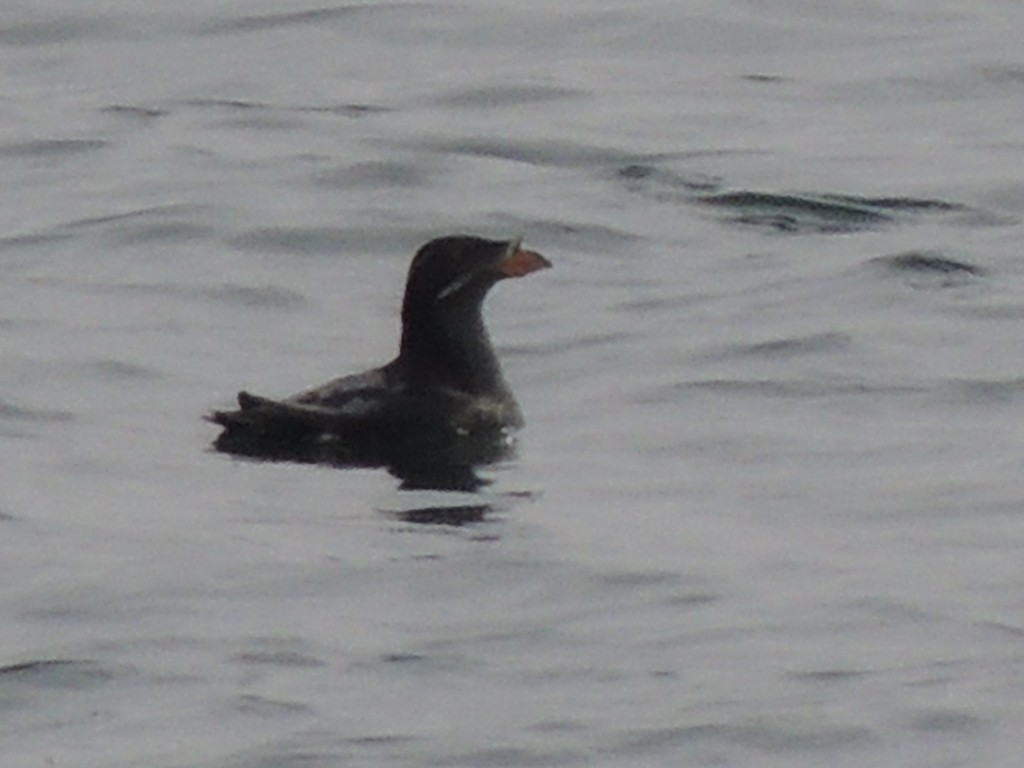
<point x="520" y="262"/>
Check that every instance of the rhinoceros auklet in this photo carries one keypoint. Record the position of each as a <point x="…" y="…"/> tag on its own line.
<point x="444" y="392"/>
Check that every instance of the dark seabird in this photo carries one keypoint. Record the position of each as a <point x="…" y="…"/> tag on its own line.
<point x="441" y="405"/>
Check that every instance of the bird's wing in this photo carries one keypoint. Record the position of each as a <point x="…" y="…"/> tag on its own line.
<point x="356" y="393"/>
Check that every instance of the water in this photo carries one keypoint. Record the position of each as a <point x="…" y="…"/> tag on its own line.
<point x="767" y="509"/>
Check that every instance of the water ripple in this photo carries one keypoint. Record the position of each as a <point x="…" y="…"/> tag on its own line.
<point x="816" y="343"/>
<point x="375" y="174"/>
<point x="9" y="412"/>
<point x="928" y="268"/>
<point x="69" y="674"/>
<point x="51" y="148"/>
<point x="794" y="388"/>
<point x="260" y="297"/>
<point x="550" y="153"/>
<point x="303" y="241"/>
<point x="788" y="212"/>
<point x="120" y="370"/>
<point x="507" y="95"/>
<point x="328" y="240"/>
<point x="49" y="31"/>
<point x="270" y="21"/>
<point x="133" y="111"/>
<point x="824" y="213"/>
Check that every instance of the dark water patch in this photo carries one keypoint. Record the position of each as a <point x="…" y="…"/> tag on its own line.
<point x="348" y="110"/>
<point x="823" y="213"/>
<point x="385" y="739"/>
<point x="551" y="153"/>
<point x="157" y="232"/>
<point x="282" y="20"/>
<point x="300" y="241"/>
<point x="297" y="756"/>
<point x="813" y="344"/>
<point x="375" y="174"/>
<point x="228" y="104"/>
<point x="667" y="588"/>
<point x="978" y="217"/>
<point x="547" y="153"/>
<point x="777" y="388"/>
<point x="51" y="31"/>
<point x="983" y="391"/>
<point x="911" y="204"/>
<point x="927" y="262"/>
<point x="507" y="95"/>
<point x="276" y="652"/>
<point x="33" y="239"/>
<point x="68" y="674"/>
<point x="517" y="757"/>
<point x="455" y="516"/>
<point x="279" y="658"/>
<point x="665" y="183"/>
<point x="254" y="297"/>
<point x="272" y="114"/>
<point x="891" y="612"/>
<point x="133" y="112"/>
<point x="157" y="213"/>
<point x="1012" y="310"/>
<point x="242" y="113"/>
<point x="652" y="304"/>
<point x="558" y="725"/>
<point x="294" y="240"/>
<point x="328" y="749"/>
<point x="1012" y="74"/>
<point x="261" y="706"/>
<point x="233" y="295"/>
<point x="444" y="662"/>
<point x="425" y="471"/>
<point x="927" y="270"/>
<point x="269" y="120"/>
<point x="50" y="149"/>
<point x="475" y="510"/>
<point x="761" y="78"/>
<point x="120" y="370"/>
<point x="1011" y="631"/>
<point x="693" y="599"/>
<point x="948" y="722"/>
<point x="404" y="658"/>
<point x="797" y="214"/>
<point x="10" y="412"/>
<point x="632" y="579"/>
<point x="828" y="676"/>
<point x="640" y="742"/>
<point x="784" y="737"/>
<point x="164" y="223"/>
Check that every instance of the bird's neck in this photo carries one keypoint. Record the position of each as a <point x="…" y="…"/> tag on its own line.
<point x="451" y="348"/>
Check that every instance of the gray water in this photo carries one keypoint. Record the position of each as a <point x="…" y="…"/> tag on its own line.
<point x="768" y="507"/>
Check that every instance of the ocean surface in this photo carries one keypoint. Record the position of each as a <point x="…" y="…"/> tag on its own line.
<point x="768" y="507"/>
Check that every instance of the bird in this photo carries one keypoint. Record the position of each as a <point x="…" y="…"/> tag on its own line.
<point x="442" y="402"/>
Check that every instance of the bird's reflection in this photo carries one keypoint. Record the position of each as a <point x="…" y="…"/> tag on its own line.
<point x="456" y="515"/>
<point x="430" y="460"/>
<point x="443" y="461"/>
